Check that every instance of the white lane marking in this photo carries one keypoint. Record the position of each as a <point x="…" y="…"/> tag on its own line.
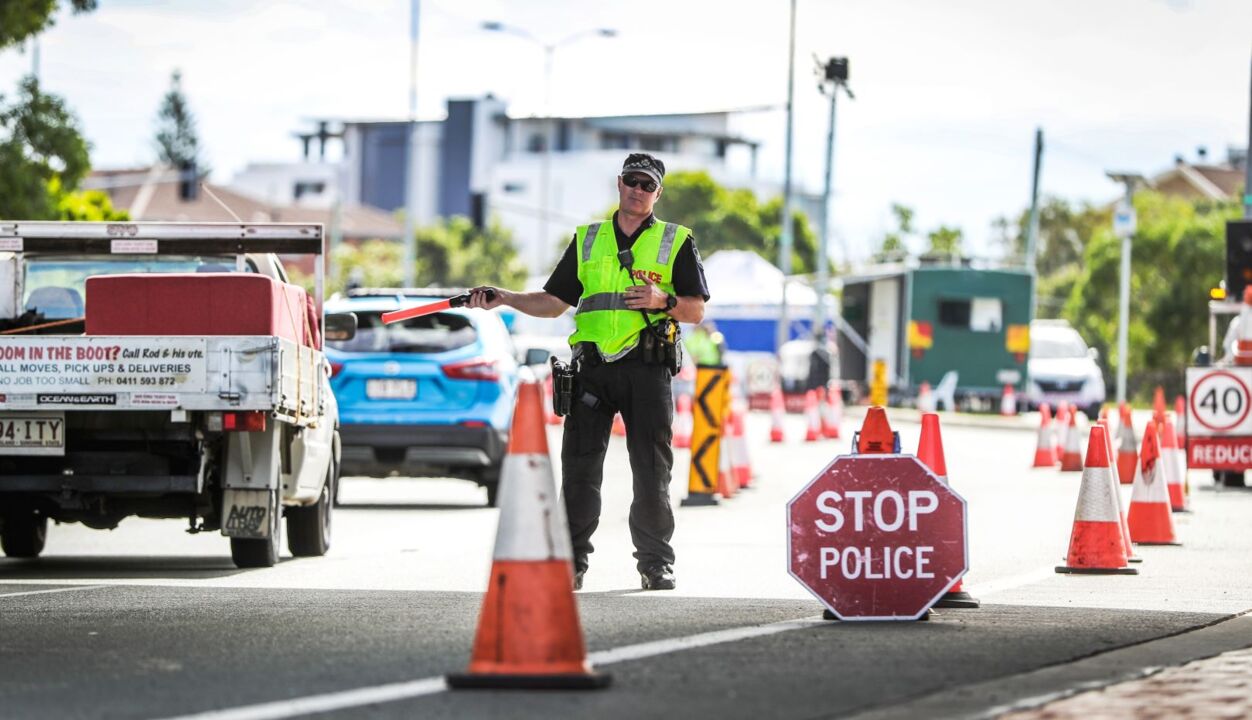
<point x="56" y="590"/>
<point x="328" y="702"/>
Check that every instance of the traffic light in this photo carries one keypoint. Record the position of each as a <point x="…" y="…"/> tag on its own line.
<point x="1238" y="258"/>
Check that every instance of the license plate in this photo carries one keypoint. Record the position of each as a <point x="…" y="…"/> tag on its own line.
<point x="32" y="433"/>
<point x="390" y="389"/>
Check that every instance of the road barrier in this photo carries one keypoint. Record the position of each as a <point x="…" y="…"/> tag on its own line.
<point x="529" y="635"/>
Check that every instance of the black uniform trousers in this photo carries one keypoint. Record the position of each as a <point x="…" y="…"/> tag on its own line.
<point x="641" y="392"/>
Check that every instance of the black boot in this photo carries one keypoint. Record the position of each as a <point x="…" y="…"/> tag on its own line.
<point x="657" y="577"/>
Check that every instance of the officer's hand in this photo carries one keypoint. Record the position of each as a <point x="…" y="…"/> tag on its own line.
<point x="479" y="297"/>
<point x="645" y="297"/>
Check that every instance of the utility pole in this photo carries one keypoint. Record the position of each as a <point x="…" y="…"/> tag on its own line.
<point x="834" y="77"/>
<point x="784" y="242"/>
<point x="1032" y="230"/>
<point x="410" y="159"/>
<point x="1124" y="227"/>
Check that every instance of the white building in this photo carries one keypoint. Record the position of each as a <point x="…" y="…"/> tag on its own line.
<point x="483" y="164"/>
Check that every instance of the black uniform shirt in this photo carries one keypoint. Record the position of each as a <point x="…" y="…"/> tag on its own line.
<point x="688" y="269"/>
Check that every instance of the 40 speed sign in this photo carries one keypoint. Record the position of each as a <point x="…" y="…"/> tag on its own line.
<point x="1219" y="410"/>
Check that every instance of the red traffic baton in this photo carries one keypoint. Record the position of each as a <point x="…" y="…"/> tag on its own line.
<point x="408" y="313"/>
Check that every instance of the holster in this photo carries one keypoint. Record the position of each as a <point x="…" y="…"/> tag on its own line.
<point x="658" y="344"/>
<point x="562" y="387"/>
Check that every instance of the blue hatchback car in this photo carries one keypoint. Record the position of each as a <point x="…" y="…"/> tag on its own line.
<point x="426" y="397"/>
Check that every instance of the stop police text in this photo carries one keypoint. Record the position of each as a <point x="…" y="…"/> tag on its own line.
<point x="891" y="512"/>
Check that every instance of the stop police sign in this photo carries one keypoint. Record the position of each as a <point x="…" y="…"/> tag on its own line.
<point x="877" y="537"/>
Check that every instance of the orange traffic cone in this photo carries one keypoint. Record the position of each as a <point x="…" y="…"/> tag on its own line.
<point x="619" y="425"/>
<point x="529" y="636"/>
<point x="726" y="485"/>
<point x="814" y="430"/>
<point x="876" y="435"/>
<point x="1127" y="457"/>
<point x="740" y="463"/>
<point x="1008" y="401"/>
<point x="777" y="414"/>
<point x="1062" y="428"/>
<point x="1175" y="467"/>
<point x="834" y="405"/>
<point x="1180" y="413"/>
<point x="930" y="452"/>
<point x="1158" y="403"/>
<point x="1117" y="493"/>
<point x="925" y="398"/>
<point x="683" y="422"/>
<point x="826" y="410"/>
<point x="1071" y="456"/>
<point x="1095" y="544"/>
<point x="1045" y="448"/>
<point x="1243" y="345"/>
<point x="1151" y="520"/>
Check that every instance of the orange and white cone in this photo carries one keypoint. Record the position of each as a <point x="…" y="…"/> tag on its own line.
<point x="826" y="406"/>
<point x="1117" y="493"/>
<point x="1127" y="456"/>
<point x="777" y="416"/>
<point x="1151" y="519"/>
<point x="1180" y="429"/>
<point x="1095" y="544"/>
<point x="930" y="452"/>
<point x="529" y="635"/>
<point x="683" y="422"/>
<point x="1045" y="448"/>
<point x="814" y="431"/>
<point x="1071" y="456"/>
<point x="619" y="425"/>
<point x="740" y="462"/>
<point x="925" y="398"/>
<point x="726" y="484"/>
<point x="1008" y="401"/>
<point x="1175" y="467"/>
<point x="835" y="403"/>
<point x="1062" y="428"/>
<point x="1158" y="402"/>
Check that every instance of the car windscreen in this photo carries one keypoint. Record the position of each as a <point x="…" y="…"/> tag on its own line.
<point x="1054" y="348"/>
<point x="435" y="333"/>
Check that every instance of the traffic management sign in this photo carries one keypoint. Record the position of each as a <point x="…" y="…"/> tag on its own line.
<point x="1219" y="410"/>
<point x="877" y="537"/>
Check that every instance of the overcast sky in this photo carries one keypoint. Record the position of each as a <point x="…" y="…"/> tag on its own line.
<point x="948" y="92"/>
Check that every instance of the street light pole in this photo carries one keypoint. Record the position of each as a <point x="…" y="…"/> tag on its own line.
<point x="1124" y="227"/>
<point x="784" y="241"/>
<point x="410" y="155"/>
<point x="545" y="158"/>
<point x="834" y="74"/>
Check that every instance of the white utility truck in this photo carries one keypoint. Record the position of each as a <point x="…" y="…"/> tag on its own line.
<point x="166" y="370"/>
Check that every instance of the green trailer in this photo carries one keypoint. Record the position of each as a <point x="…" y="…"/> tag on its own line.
<point x="925" y="322"/>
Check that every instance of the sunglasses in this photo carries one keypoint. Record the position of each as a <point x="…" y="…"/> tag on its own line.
<point x="634" y="181"/>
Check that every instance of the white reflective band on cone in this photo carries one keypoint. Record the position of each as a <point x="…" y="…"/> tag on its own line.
<point x="532" y="517"/>
<point x="1095" y="499"/>
<point x="1149" y="488"/>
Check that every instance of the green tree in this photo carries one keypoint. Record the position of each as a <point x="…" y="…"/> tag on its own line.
<point x="85" y="205"/>
<point x="894" y="244"/>
<point x="733" y="219"/>
<point x="1178" y="253"/>
<point x="176" y="141"/>
<point x="20" y="19"/>
<point x="452" y="253"/>
<point x="39" y="144"/>
<point x="945" y="241"/>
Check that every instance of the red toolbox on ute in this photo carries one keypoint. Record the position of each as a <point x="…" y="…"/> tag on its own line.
<point x="199" y="304"/>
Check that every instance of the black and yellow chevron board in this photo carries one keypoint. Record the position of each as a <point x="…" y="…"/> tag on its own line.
<point x="709" y="414"/>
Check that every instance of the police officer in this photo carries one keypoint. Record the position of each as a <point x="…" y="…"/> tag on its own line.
<point x="632" y="278"/>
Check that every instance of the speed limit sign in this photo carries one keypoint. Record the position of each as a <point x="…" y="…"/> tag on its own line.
<point x="1219" y="401"/>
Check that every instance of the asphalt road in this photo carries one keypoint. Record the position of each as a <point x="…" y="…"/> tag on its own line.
<point x="148" y="622"/>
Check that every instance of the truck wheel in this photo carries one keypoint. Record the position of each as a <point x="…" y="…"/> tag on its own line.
<point x="1229" y="478"/>
<point x="308" y="528"/>
<point x="24" y="534"/>
<point x="259" y="553"/>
